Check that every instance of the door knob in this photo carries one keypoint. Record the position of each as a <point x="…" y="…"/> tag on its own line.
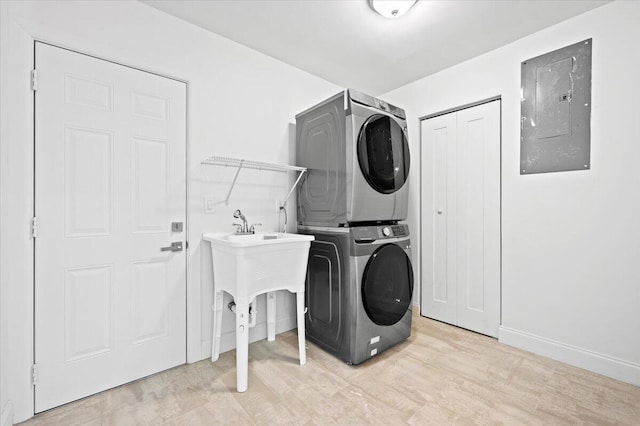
<point x="439" y="211"/>
<point x="177" y="246"/>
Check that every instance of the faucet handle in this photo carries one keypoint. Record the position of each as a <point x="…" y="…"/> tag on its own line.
<point x="253" y="227"/>
<point x="238" y="227"/>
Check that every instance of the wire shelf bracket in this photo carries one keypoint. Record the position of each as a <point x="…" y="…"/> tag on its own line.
<point x="256" y="165"/>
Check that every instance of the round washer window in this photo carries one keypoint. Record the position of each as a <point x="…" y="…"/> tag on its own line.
<point x="383" y="154"/>
<point x="387" y="285"/>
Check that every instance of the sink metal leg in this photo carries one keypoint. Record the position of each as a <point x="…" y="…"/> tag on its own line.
<point x="242" y="345"/>
<point x="217" y="324"/>
<point x="301" y="330"/>
<point x="271" y="316"/>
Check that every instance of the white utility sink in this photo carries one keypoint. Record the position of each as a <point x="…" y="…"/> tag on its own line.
<point x="245" y="240"/>
<point x="246" y="266"/>
<point x="252" y="264"/>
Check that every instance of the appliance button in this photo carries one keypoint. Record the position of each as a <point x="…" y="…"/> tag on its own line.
<point x="398" y="231"/>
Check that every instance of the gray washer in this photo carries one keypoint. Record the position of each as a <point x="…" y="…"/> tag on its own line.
<point x="358" y="289"/>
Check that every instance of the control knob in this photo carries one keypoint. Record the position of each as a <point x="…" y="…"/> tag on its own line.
<point x="386" y="231"/>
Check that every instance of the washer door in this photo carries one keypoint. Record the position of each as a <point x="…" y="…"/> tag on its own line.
<point x="383" y="154"/>
<point x="387" y="285"/>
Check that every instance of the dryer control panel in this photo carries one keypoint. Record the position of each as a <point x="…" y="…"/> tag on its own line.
<point x="367" y="100"/>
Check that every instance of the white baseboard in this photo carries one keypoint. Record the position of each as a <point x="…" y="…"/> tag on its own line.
<point x="7" y="415"/>
<point x="583" y="358"/>
<point x="259" y="332"/>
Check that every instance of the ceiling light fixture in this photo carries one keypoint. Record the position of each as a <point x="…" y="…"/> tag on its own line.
<point x="391" y="8"/>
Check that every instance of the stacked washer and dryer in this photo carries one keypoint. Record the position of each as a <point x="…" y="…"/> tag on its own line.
<point x="359" y="279"/>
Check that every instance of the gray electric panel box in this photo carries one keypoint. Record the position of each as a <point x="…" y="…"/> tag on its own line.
<point x="555" y="119"/>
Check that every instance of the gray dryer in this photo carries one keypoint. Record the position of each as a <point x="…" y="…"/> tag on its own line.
<point x="357" y="155"/>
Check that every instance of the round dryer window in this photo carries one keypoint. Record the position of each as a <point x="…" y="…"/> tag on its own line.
<point x="383" y="153"/>
<point x="387" y="285"/>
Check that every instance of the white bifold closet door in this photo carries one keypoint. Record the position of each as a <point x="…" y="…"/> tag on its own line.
<point x="461" y="218"/>
<point x="110" y="146"/>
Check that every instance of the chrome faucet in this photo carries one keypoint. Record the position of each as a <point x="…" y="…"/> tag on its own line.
<point x="244" y="227"/>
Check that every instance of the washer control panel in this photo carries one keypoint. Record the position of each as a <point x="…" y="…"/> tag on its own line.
<point x="379" y="232"/>
<point x="400" y="230"/>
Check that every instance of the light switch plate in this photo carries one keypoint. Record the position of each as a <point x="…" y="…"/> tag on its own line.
<point x="209" y="205"/>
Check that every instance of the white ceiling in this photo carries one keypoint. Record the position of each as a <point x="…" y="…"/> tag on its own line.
<point x="346" y="43"/>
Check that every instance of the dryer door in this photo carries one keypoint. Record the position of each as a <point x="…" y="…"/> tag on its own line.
<point x="387" y="285"/>
<point x="383" y="153"/>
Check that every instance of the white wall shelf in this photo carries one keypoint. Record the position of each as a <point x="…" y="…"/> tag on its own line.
<point x="256" y="165"/>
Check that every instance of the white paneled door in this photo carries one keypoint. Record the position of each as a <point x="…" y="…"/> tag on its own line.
<point x="461" y="218"/>
<point x="110" y="152"/>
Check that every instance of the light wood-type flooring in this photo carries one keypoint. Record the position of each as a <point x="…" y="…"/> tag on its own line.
<point x="440" y="375"/>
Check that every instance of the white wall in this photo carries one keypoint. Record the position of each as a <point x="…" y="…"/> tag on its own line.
<point x="570" y="241"/>
<point x="4" y="410"/>
<point x="241" y="103"/>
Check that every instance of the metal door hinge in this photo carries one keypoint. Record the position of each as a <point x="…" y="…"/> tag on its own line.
<point x="34" y="227"/>
<point x="34" y="80"/>
<point x="34" y="374"/>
